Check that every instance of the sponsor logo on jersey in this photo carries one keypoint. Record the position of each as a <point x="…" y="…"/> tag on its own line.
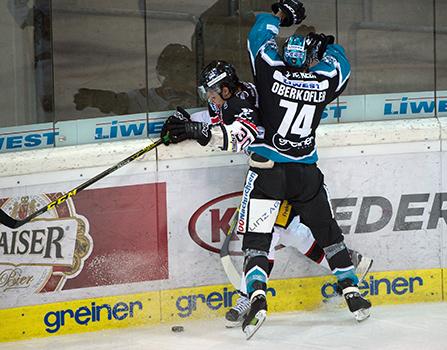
<point x="263" y="214"/>
<point x="245" y="112"/>
<point x="301" y="84"/>
<point x="300" y="75"/>
<point x="243" y="210"/>
<point x="187" y="304"/>
<point x="85" y="315"/>
<point x="330" y="60"/>
<point x="284" y="144"/>
<point x="372" y="286"/>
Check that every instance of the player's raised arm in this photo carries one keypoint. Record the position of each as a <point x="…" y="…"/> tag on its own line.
<point x="261" y="38"/>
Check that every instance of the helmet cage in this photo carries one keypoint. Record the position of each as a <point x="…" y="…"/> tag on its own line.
<point x="214" y="76"/>
<point x="214" y="84"/>
<point x="294" y="51"/>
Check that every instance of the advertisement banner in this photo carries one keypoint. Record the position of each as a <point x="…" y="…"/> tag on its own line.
<point x="390" y="106"/>
<point x="101" y="237"/>
<point x="80" y="316"/>
<point x="391" y="208"/>
<point x="20" y="138"/>
<point x="180" y="305"/>
<point x="298" y="294"/>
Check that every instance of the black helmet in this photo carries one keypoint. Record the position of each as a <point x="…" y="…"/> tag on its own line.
<point x="215" y="76"/>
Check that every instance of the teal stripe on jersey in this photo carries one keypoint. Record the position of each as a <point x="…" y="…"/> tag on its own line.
<point x="281" y="158"/>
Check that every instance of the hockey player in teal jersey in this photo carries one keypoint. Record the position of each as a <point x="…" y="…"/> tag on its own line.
<point x="294" y="88"/>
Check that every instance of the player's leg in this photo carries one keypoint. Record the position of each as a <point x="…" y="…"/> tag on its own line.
<point x="312" y="203"/>
<point x="236" y="315"/>
<point x="257" y="215"/>
<point x="299" y="236"/>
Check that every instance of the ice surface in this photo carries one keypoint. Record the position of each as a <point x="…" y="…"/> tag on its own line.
<point x="412" y="326"/>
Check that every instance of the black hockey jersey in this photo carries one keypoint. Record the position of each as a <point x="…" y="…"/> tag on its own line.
<point x="234" y="125"/>
<point x="246" y="97"/>
<point x="291" y="102"/>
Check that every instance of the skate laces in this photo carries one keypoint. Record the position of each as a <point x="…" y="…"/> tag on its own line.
<point x="242" y="305"/>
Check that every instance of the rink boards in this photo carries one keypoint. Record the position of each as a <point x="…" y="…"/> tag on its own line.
<point x="141" y="246"/>
<point x="179" y="305"/>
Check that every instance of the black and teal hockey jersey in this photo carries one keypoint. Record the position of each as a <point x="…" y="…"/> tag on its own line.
<point x="291" y="102"/>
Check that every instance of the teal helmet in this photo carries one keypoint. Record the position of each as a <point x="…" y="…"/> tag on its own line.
<point x="294" y="51"/>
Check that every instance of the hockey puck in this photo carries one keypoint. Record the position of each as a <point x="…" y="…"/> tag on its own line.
<point x="177" y="329"/>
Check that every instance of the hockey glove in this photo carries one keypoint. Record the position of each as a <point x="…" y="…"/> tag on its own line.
<point x="294" y="12"/>
<point x="180" y="130"/>
<point x="180" y="116"/>
<point x="316" y="44"/>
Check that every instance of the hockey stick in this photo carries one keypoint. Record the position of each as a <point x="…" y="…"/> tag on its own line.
<point x="7" y="220"/>
<point x="225" y="258"/>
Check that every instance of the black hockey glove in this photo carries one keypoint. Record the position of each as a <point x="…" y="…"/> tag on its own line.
<point x="179" y="116"/>
<point x="181" y="130"/>
<point x="316" y="44"/>
<point x="293" y="10"/>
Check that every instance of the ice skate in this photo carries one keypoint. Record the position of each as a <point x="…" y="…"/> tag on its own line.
<point x="358" y="305"/>
<point x="361" y="263"/>
<point x="236" y="315"/>
<point x="257" y="314"/>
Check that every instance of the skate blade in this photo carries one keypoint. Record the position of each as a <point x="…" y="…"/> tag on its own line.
<point x="250" y="329"/>
<point x="361" y="315"/>
<point x="363" y="268"/>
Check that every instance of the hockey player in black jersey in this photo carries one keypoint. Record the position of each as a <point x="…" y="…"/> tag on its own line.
<point x="232" y="108"/>
<point x="293" y="91"/>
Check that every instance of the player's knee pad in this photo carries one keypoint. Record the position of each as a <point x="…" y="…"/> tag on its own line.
<point x="251" y="253"/>
<point x="254" y="257"/>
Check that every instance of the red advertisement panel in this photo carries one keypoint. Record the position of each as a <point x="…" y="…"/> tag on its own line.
<point x="129" y="230"/>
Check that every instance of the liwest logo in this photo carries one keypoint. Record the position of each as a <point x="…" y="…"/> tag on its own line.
<point x="27" y="139"/>
<point x="415" y="105"/>
<point x="83" y="315"/>
<point x="127" y="129"/>
<point x="186" y="304"/>
<point x="396" y="286"/>
<point x="334" y="111"/>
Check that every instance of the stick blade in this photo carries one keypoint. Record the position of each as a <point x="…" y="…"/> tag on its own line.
<point x="8" y="221"/>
